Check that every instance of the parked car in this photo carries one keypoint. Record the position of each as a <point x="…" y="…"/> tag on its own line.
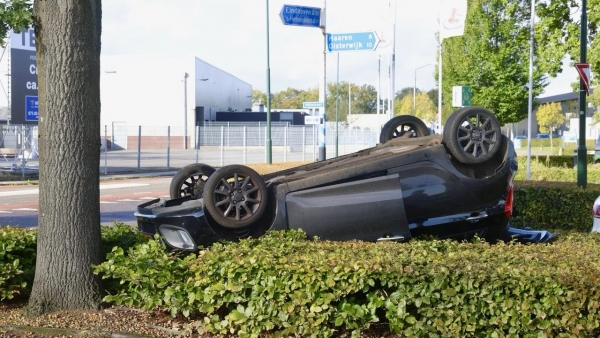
<point x="596" y="213"/>
<point x="543" y="136"/>
<point x="597" y="152"/>
<point x="456" y="185"/>
<point x="521" y="137"/>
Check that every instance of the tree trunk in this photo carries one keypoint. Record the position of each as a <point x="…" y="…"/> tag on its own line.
<point x="68" y="58"/>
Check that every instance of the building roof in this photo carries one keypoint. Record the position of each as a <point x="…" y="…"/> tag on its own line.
<point x="560" y="97"/>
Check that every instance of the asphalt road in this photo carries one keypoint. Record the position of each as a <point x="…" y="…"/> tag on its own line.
<point x="118" y="200"/>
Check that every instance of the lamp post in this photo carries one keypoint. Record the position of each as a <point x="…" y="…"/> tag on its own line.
<point x="268" y="159"/>
<point x="415" y="89"/>
<point x="185" y="77"/>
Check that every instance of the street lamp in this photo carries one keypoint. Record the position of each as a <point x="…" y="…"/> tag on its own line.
<point x="415" y="89"/>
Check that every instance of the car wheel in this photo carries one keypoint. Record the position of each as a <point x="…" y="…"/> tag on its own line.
<point x="236" y="196"/>
<point x="190" y="181"/>
<point x="472" y="135"/>
<point x="403" y="126"/>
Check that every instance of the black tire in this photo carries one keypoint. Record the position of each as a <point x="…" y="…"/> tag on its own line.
<point x="190" y="181"/>
<point x="403" y="126"/>
<point x="472" y="135"/>
<point x="239" y="188"/>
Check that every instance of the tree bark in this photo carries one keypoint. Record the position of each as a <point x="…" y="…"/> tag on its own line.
<point x="68" y="59"/>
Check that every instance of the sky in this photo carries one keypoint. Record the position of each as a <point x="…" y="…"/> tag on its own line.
<point x="232" y="35"/>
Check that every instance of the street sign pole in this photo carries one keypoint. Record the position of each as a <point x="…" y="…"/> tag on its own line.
<point x="311" y="17"/>
<point x="323" y="91"/>
<point x="582" y="150"/>
<point x="337" y="96"/>
<point x="269" y="143"/>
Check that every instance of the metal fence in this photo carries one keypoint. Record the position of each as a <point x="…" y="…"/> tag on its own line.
<point x="148" y="148"/>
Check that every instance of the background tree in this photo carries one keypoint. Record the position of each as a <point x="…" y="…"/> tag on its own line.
<point x="433" y="96"/>
<point x="492" y="55"/>
<point x="68" y="58"/>
<point x="549" y="117"/>
<point x="425" y="108"/>
<point x="15" y="15"/>
<point x="404" y="106"/>
<point x="406" y="91"/>
<point x="594" y="99"/>
<point x="259" y="97"/>
<point x="562" y="18"/>
<point x="287" y="99"/>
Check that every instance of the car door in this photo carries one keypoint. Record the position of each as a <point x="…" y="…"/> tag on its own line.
<point x="369" y="209"/>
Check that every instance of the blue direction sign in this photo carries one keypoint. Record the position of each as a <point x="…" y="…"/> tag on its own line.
<point x="31" y="108"/>
<point x="300" y="16"/>
<point x="352" y="41"/>
<point x="308" y="105"/>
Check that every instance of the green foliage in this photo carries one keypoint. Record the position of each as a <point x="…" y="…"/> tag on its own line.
<point x="18" y="254"/>
<point x="259" y="97"/>
<point x="554" y="205"/>
<point x="425" y="108"/>
<point x="286" y="285"/>
<point x="17" y="261"/>
<point x="566" y="15"/>
<point x="549" y="117"/>
<point x="491" y="57"/>
<point x="548" y="161"/>
<point x="120" y="235"/>
<point x="15" y="15"/>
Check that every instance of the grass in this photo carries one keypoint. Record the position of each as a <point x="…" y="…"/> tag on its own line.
<point x="263" y="168"/>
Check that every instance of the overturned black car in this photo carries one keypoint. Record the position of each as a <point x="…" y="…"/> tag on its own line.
<point x="456" y="185"/>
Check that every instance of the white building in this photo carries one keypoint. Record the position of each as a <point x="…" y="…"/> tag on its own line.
<point x="149" y="91"/>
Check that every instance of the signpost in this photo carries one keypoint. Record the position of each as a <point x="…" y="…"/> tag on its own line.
<point x="312" y="119"/>
<point x="584" y="73"/>
<point x="311" y="105"/>
<point x="31" y="108"/>
<point x="361" y="41"/>
<point x="300" y="16"/>
<point x="24" y="83"/>
<point x="461" y="96"/>
<point x="304" y="16"/>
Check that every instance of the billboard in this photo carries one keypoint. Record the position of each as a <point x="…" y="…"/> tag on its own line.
<point x="23" y="74"/>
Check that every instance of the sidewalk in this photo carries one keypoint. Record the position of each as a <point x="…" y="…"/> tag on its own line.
<point x="103" y="177"/>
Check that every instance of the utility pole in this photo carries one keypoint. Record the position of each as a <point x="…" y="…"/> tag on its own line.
<point x="582" y="150"/>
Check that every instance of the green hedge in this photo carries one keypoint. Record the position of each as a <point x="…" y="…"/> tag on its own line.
<point x="552" y="161"/>
<point x="553" y="205"/>
<point x="17" y="261"/>
<point x="557" y="143"/>
<point x="542" y="170"/>
<point x="285" y="285"/>
<point x="18" y="253"/>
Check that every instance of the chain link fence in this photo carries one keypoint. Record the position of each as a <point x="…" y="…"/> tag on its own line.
<point x="127" y="148"/>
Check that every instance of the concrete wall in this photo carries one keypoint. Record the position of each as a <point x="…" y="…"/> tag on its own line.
<point x="149" y="91"/>
<point x="145" y="90"/>
<point x="220" y="90"/>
